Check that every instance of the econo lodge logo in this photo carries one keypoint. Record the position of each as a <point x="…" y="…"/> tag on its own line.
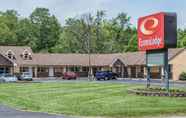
<point x="151" y="32"/>
<point x="149" y="25"/>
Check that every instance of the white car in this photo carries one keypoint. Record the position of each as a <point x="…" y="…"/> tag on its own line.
<point x="25" y="76"/>
<point x="8" y="78"/>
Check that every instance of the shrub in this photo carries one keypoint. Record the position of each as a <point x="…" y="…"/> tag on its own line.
<point x="183" y="76"/>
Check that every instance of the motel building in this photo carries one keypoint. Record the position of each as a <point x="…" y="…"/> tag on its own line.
<point x="18" y="59"/>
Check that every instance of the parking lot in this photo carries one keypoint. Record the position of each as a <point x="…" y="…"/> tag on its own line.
<point x="155" y="82"/>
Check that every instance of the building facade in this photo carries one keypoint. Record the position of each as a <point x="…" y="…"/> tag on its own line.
<point x="18" y="59"/>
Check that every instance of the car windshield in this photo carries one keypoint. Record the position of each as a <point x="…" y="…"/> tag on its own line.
<point x="102" y="71"/>
<point x="8" y="75"/>
<point x="26" y="73"/>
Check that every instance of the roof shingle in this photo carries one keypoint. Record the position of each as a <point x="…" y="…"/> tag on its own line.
<point x="130" y="58"/>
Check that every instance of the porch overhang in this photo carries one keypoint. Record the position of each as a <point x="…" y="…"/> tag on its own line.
<point x="4" y="61"/>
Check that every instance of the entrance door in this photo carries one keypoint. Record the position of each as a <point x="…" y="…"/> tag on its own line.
<point x="155" y="72"/>
<point x="2" y="70"/>
<point x="133" y="72"/>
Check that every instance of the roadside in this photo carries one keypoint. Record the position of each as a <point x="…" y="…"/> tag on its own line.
<point x="143" y="117"/>
<point x="7" y="112"/>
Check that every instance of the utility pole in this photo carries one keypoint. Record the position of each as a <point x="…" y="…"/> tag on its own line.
<point x="88" y="20"/>
<point x="89" y="58"/>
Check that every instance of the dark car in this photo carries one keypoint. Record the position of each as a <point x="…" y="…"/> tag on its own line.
<point x="69" y="75"/>
<point x="105" y="75"/>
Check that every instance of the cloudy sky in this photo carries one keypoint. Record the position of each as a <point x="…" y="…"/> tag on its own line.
<point x="63" y="9"/>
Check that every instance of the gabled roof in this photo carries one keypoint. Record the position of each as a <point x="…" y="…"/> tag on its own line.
<point x="5" y="61"/>
<point x="139" y="58"/>
<point x="130" y="58"/>
<point x="17" y="50"/>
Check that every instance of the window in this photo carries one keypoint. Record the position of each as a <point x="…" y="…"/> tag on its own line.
<point x="10" y="54"/>
<point x="77" y="69"/>
<point x="26" y="55"/>
<point x="142" y="69"/>
<point x="42" y="69"/>
<point x="170" y="68"/>
<point x="85" y="69"/>
<point x="24" y="69"/>
<point x="58" y="70"/>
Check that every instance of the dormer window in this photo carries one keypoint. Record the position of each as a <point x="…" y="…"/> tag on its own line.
<point x="26" y="55"/>
<point x="10" y="54"/>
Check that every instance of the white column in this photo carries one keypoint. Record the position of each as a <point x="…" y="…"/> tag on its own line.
<point x="80" y="69"/>
<point x="51" y="71"/>
<point x="145" y="72"/>
<point x="64" y="69"/>
<point x="129" y="71"/>
<point x="137" y="70"/>
<point x="122" y="71"/>
<point x="114" y="69"/>
<point x="162" y="73"/>
<point x="35" y="69"/>
<point x="91" y="70"/>
<point x="30" y="70"/>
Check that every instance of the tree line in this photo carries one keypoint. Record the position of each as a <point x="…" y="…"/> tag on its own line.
<point x="83" y="34"/>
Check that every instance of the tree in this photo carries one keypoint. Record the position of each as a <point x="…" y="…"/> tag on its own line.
<point x="96" y="33"/>
<point x="99" y="24"/>
<point x="87" y="33"/>
<point x="181" y="38"/>
<point x="25" y="33"/>
<point x="133" y="43"/>
<point x="47" y="29"/>
<point x="8" y="25"/>
<point x="121" y="32"/>
<point x="76" y="35"/>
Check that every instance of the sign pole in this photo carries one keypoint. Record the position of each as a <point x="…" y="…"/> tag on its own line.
<point x="148" y="71"/>
<point x="166" y="70"/>
<point x="148" y="76"/>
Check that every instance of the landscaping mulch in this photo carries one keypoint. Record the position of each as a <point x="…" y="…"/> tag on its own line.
<point x="157" y="92"/>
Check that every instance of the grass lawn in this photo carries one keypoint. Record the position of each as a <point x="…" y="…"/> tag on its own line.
<point x="87" y="99"/>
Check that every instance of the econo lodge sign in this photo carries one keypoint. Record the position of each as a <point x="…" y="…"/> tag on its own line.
<point x="151" y="32"/>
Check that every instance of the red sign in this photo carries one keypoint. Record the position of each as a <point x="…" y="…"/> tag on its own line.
<point x="151" y="32"/>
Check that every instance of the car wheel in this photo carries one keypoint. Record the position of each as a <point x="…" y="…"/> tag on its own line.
<point x="114" y="78"/>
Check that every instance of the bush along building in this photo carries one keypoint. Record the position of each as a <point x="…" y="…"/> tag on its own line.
<point x="18" y="59"/>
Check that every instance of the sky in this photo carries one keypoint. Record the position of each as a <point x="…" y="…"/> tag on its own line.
<point x="64" y="9"/>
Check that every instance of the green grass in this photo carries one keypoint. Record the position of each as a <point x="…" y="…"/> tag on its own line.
<point x="87" y="99"/>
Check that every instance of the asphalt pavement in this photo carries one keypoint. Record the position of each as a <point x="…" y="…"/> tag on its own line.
<point x="7" y="112"/>
<point x="155" y="82"/>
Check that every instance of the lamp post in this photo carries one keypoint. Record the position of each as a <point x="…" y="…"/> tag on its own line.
<point x="88" y="21"/>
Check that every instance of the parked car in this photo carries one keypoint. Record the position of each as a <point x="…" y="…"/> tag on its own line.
<point x="8" y="78"/>
<point x="2" y="80"/>
<point x="69" y="75"/>
<point x="105" y="75"/>
<point x="25" y="76"/>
